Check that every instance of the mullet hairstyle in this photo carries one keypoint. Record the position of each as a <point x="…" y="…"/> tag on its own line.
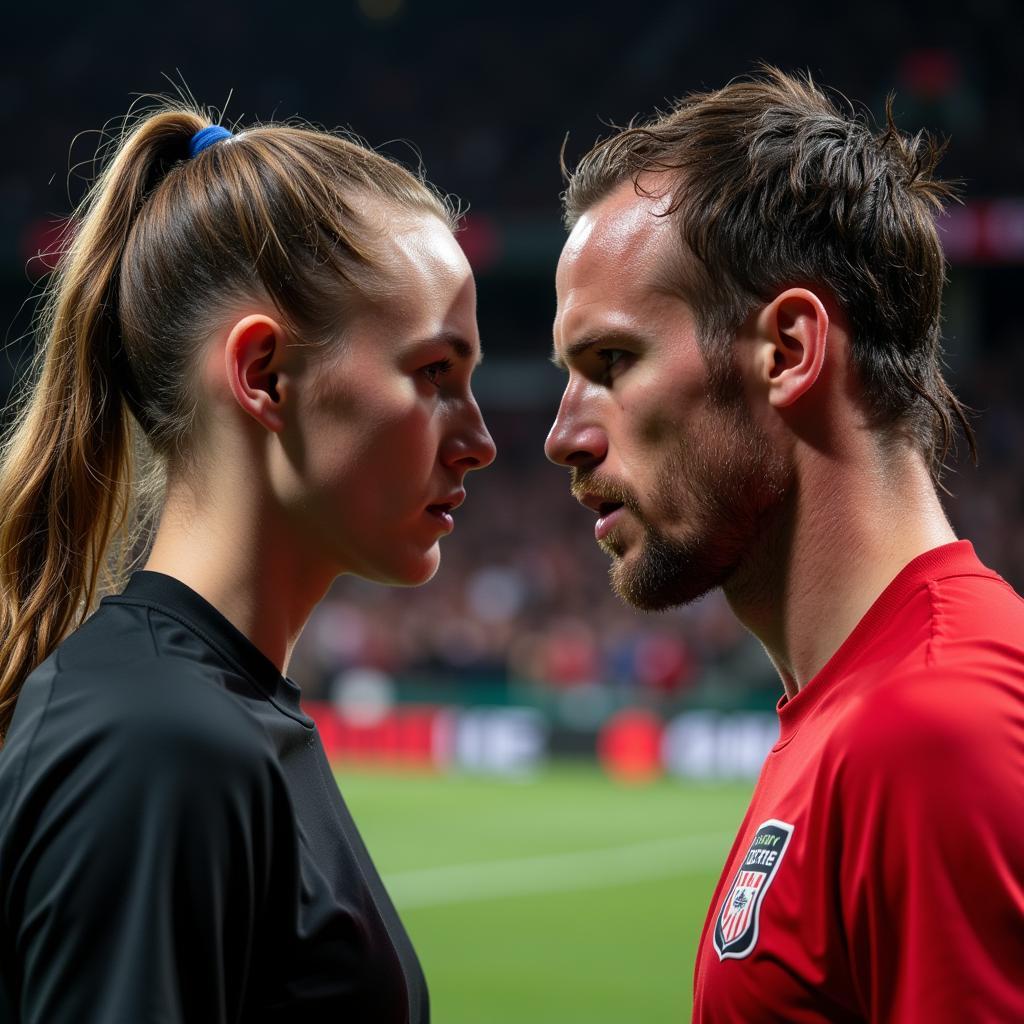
<point x="161" y="249"/>
<point x="771" y="184"/>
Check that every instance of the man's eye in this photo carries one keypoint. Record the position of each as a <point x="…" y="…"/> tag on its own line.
<point x="614" y="360"/>
<point x="435" y="371"/>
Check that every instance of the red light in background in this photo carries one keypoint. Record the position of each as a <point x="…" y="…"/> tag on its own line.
<point x="930" y="74"/>
<point x="44" y="242"/>
<point x="629" y="746"/>
<point x="480" y="239"/>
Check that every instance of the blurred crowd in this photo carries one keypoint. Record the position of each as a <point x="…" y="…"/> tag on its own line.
<point x="486" y="94"/>
<point x="986" y="504"/>
<point x="522" y="596"/>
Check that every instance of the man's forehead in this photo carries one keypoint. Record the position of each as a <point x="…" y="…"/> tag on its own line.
<point x="622" y="230"/>
<point x="610" y="278"/>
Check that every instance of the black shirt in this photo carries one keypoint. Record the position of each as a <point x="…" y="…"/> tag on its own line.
<point x="173" y="845"/>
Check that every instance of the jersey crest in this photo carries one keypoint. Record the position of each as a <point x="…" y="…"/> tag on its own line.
<point x="737" y="923"/>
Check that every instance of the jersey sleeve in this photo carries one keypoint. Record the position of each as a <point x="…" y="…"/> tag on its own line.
<point x="147" y="861"/>
<point x="931" y="795"/>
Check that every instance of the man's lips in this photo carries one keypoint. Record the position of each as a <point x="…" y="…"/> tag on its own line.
<point x="607" y="520"/>
<point x="608" y="512"/>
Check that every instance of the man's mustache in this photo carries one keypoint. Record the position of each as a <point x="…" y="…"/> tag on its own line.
<point x="585" y="481"/>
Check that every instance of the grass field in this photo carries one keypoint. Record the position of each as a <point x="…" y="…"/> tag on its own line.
<point x="565" y="899"/>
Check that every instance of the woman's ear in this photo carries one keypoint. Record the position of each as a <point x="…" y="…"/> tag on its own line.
<point x="254" y="356"/>
<point x="793" y="338"/>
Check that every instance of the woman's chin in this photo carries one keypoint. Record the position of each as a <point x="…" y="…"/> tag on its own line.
<point x="424" y="573"/>
<point x="413" y="571"/>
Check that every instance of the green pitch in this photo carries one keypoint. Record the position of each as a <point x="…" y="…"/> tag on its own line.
<point x="564" y="899"/>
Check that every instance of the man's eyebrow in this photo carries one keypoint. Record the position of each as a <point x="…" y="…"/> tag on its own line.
<point x="577" y="348"/>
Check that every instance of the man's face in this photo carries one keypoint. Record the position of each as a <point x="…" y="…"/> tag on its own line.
<point x="681" y="477"/>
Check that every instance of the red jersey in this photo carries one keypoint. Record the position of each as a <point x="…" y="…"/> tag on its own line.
<point x="879" y="872"/>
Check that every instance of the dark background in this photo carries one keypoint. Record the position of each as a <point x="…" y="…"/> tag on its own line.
<point x="486" y="95"/>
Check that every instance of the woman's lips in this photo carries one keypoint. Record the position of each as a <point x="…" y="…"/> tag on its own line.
<point x="442" y="510"/>
<point x="442" y="513"/>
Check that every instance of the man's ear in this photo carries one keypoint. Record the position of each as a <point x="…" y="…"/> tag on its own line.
<point x="254" y="357"/>
<point x="793" y="337"/>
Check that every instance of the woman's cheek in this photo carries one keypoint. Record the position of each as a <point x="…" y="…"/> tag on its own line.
<point x="411" y="440"/>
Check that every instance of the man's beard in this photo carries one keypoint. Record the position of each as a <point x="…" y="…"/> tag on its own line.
<point x="726" y="486"/>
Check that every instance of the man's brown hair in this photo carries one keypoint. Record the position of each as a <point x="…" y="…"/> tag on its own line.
<point x="772" y="184"/>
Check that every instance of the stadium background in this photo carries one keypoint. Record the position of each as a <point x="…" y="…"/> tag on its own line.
<point x="547" y="779"/>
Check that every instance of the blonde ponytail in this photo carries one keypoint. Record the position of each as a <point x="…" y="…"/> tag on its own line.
<point x="68" y="460"/>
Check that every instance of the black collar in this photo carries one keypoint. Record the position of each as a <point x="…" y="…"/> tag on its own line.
<point x="172" y="597"/>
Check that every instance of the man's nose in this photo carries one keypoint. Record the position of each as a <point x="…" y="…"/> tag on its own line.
<point x="574" y="440"/>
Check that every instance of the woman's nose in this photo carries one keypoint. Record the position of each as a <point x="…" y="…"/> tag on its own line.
<point x="471" y="447"/>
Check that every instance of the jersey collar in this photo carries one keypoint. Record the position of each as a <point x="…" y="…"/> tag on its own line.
<point x="955" y="559"/>
<point x="169" y="594"/>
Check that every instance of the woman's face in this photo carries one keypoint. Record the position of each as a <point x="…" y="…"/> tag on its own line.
<point x="389" y="427"/>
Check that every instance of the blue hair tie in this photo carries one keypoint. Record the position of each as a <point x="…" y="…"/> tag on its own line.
<point x="206" y="137"/>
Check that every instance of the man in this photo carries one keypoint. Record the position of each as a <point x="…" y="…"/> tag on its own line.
<point x="748" y="312"/>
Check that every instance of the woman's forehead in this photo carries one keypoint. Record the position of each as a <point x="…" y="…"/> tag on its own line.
<point x="424" y="248"/>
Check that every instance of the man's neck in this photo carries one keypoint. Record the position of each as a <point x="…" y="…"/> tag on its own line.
<point x="824" y="563"/>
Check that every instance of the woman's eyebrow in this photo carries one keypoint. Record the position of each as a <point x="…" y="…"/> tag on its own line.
<point x="462" y="348"/>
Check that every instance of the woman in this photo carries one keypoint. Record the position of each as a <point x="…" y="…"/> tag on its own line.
<point x="292" y="326"/>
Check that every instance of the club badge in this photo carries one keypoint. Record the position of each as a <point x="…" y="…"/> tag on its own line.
<point x="736" y="927"/>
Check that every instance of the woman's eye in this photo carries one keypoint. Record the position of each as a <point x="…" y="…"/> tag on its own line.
<point x="435" y="371"/>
